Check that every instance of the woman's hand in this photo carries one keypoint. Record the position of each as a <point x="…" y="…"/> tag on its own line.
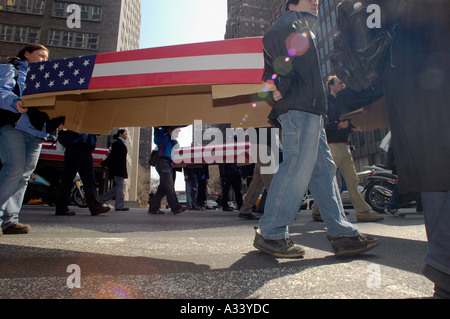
<point x="20" y="108"/>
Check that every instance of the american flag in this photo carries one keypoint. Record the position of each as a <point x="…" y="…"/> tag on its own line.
<point x="60" y="75"/>
<point x="230" y="61"/>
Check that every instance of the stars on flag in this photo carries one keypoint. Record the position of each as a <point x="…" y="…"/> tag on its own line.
<point x="60" y="75"/>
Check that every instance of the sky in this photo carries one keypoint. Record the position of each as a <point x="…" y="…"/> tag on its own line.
<point x="173" y="22"/>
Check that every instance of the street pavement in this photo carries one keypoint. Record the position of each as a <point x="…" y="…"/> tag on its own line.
<point x="202" y="255"/>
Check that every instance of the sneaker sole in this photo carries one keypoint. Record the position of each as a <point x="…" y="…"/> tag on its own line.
<point x="279" y="255"/>
<point x="349" y="253"/>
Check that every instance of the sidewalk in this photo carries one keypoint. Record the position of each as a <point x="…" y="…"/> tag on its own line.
<point x="202" y="255"/>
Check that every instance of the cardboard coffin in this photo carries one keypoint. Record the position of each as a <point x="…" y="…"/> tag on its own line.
<point x="215" y="82"/>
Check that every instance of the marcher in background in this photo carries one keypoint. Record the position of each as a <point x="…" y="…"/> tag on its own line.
<point x="116" y="163"/>
<point x="22" y="132"/>
<point x="202" y="187"/>
<point x="191" y="177"/>
<point x="165" y="140"/>
<point x="291" y="63"/>
<point x="262" y="176"/>
<point x="338" y="134"/>
<point x="78" y="158"/>
<point x="230" y="176"/>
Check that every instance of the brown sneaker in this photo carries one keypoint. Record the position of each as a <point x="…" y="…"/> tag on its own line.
<point x="97" y="209"/>
<point x="17" y="229"/>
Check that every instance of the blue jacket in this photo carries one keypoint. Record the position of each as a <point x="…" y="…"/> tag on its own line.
<point x="9" y="98"/>
<point x="164" y="142"/>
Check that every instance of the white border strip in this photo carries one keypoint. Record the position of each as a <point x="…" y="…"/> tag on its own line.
<point x="183" y="64"/>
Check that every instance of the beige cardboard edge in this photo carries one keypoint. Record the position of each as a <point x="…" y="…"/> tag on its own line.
<point x="221" y="91"/>
<point x="100" y="116"/>
<point x="370" y="117"/>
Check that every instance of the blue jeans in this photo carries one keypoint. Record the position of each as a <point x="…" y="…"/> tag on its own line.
<point x="436" y="208"/>
<point x="307" y="161"/>
<point x="116" y="191"/>
<point x="192" y="191"/>
<point x="19" y="152"/>
<point x="396" y="200"/>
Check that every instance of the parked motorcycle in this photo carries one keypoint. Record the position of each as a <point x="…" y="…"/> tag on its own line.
<point x="40" y="188"/>
<point x="380" y="183"/>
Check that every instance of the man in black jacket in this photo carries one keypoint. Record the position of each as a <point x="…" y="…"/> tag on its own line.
<point x="338" y="135"/>
<point x="292" y="64"/>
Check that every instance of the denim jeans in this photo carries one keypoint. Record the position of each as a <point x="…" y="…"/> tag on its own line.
<point x="19" y="152"/>
<point x="116" y="191"/>
<point x="436" y="208"/>
<point x="192" y="191"/>
<point x="307" y="161"/>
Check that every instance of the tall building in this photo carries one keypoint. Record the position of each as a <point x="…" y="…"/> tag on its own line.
<point x="248" y="18"/>
<point x="79" y="27"/>
<point x="103" y="26"/>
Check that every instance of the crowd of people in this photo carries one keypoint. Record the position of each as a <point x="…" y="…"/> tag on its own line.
<point x="314" y="139"/>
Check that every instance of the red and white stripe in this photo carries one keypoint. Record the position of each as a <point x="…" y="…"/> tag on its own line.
<point x="50" y="151"/>
<point x="215" y="154"/>
<point x="220" y="62"/>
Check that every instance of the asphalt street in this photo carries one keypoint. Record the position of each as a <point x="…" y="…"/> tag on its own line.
<point x="202" y="255"/>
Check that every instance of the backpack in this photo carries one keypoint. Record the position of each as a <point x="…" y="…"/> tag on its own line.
<point x="360" y="53"/>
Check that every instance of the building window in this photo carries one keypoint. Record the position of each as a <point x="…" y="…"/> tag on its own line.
<point x="88" y="12"/>
<point x="77" y="40"/>
<point x="23" y="6"/>
<point x="19" y="34"/>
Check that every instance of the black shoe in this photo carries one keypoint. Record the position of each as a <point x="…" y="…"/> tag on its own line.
<point x="179" y="210"/>
<point x="283" y="248"/>
<point x="17" y="229"/>
<point x="248" y="216"/>
<point x="64" y="212"/>
<point x="350" y="246"/>
<point x="156" y="212"/>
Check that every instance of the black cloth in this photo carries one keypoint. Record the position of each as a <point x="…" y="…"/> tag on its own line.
<point x="335" y="134"/>
<point x="230" y="177"/>
<point x="297" y="76"/>
<point x="78" y="158"/>
<point x="417" y="96"/>
<point x="116" y="162"/>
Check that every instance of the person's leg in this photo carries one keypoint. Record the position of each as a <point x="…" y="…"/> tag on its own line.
<point x="436" y="207"/>
<point x="71" y="166"/>
<point x="325" y="191"/>
<point x="166" y="187"/>
<point x="119" y="187"/>
<point x="237" y="186"/>
<point x="300" y="138"/>
<point x="253" y="192"/>
<point x="226" y="185"/>
<point x="13" y="156"/>
<point x="103" y="198"/>
<point x="14" y="204"/>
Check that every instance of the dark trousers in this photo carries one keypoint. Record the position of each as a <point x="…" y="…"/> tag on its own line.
<point x="81" y="161"/>
<point x="227" y="183"/>
<point x="166" y="186"/>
